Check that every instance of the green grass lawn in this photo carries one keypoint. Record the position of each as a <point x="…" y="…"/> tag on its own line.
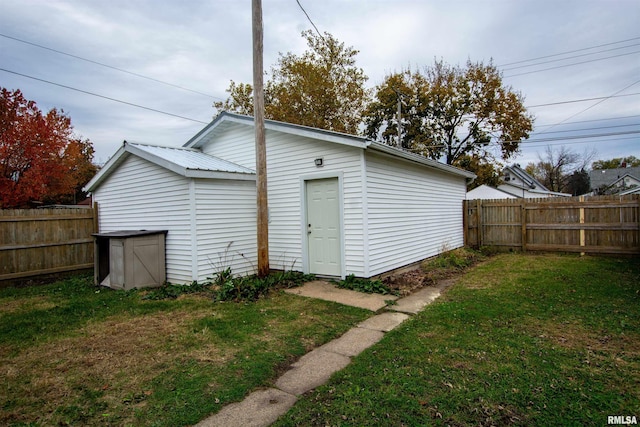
<point x="519" y="340"/>
<point x="74" y="354"/>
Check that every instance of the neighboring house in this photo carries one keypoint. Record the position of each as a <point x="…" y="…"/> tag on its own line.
<point x="518" y="183"/>
<point x="632" y="190"/>
<point x="614" y="181"/>
<point x="338" y="204"/>
<point x="486" y="192"/>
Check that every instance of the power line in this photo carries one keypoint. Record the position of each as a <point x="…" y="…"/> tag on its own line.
<point x="586" y="99"/>
<point x="571" y="65"/>
<point x="591" y="120"/>
<point x="571" y="137"/>
<point x="585" y="129"/>
<point x="583" y="142"/>
<point x="103" y="96"/>
<point x="568" y="139"/>
<point x="309" y="18"/>
<point x="570" y="51"/>
<point x="599" y="102"/>
<point x="110" y="66"/>
<point x="570" y="57"/>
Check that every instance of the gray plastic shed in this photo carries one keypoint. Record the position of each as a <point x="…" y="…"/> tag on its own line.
<point x="130" y="259"/>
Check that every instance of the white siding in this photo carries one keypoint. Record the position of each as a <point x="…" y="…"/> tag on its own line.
<point x="225" y="212"/>
<point x="413" y="212"/>
<point x="235" y="144"/>
<point x="291" y="157"/>
<point x="140" y="195"/>
<point x="288" y="158"/>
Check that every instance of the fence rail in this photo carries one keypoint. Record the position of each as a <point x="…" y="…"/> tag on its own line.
<point x="602" y="224"/>
<point x="35" y="242"/>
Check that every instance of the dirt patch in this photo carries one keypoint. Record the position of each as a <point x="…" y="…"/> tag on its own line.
<point x="574" y="336"/>
<point x="407" y="283"/>
<point x="445" y="267"/>
<point x="33" y="303"/>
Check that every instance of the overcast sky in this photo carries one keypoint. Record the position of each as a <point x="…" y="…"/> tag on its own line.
<point x="202" y="45"/>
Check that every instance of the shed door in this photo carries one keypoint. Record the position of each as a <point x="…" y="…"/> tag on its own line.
<point x="323" y="227"/>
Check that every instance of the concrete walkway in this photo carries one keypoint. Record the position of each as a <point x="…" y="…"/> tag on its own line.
<point x="329" y="292"/>
<point x="264" y="407"/>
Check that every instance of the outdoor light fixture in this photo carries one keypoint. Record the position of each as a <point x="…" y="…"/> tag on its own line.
<point x="319" y="161"/>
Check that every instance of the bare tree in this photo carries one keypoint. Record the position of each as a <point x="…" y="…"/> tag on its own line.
<point x="555" y="167"/>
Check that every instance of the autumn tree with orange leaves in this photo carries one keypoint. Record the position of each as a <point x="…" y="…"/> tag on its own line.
<point x="41" y="159"/>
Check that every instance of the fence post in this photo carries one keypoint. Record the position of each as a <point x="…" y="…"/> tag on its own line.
<point x="479" y="221"/>
<point x="582" y="233"/>
<point x="523" y="220"/>
<point x="465" y="222"/>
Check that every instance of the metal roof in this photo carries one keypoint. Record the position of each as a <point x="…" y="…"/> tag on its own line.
<point x="183" y="161"/>
<point x="191" y="159"/>
<point x="225" y="120"/>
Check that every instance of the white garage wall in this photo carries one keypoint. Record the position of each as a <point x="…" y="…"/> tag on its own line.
<point x="143" y="196"/>
<point x="413" y="212"/>
<point x="288" y="158"/>
<point x="225" y="213"/>
<point x="291" y="157"/>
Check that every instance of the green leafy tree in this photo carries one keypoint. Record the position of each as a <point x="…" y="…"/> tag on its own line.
<point x="629" y="161"/>
<point x="487" y="172"/>
<point x="578" y="183"/>
<point x="322" y="88"/>
<point x="449" y="111"/>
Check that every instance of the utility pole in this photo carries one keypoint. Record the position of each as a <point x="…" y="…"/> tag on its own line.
<point x="261" y="150"/>
<point x="399" y="117"/>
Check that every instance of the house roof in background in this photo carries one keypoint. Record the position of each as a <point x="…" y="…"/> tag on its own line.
<point x="183" y="161"/>
<point x="605" y="177"/>
<point x="529" y="180"/>
<point x="632" y="190"/>
<point x="520" y="191"/>
<point x="485" y="192"/>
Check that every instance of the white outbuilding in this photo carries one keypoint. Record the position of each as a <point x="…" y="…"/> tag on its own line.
<point x="338" y="204"/>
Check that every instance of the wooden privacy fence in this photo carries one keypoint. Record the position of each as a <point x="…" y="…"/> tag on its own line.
<point x="36" y="242"/>
<point x="602" y="224"/>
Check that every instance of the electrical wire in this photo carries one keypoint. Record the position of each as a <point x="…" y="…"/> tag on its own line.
<point x="603" y="98"/>
<point x="110" y="66"/>
<point x="570" y="57"/>
<point x="571" y="137"/>
<point x="591" y="120"/>
<point x="309" y="18"/>
<point x="598" y="141"/>
<point x="599" y="102"/>
<point x="585" y="129"/>
<point x="571" y="65"/>
<point x="559" y="139"/>
<point x="103" y="96"/>
<point x="569" y="51"/>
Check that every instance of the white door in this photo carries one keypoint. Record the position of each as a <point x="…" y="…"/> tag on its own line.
<point x="323" y="227"/>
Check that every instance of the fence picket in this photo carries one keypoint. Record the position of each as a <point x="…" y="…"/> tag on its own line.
<point x="601" y="224"/>
<point x="37" y="242"/>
